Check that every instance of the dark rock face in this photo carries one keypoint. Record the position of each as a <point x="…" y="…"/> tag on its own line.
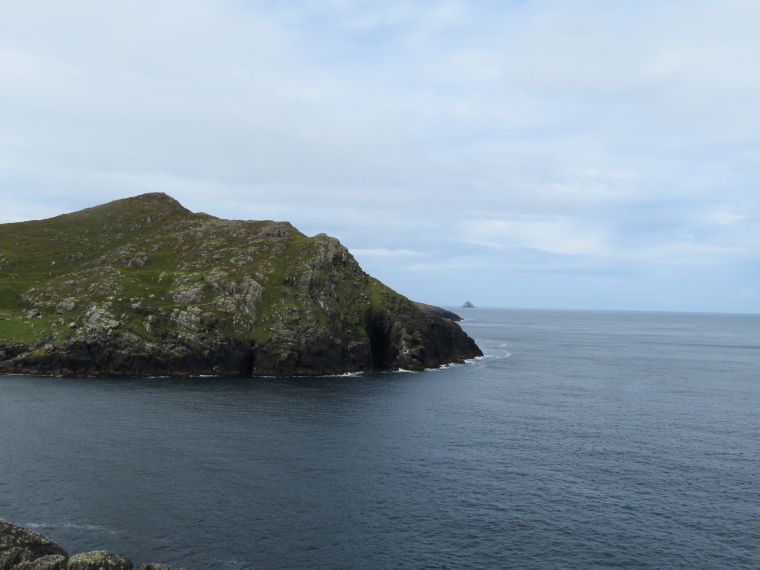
<point x="129" y="355"/>
<point x="154" y="289"/>
<point x="23" y="549"/>
<point x="438" y="312"/>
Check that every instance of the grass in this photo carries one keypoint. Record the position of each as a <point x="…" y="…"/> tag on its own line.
<point x="90" y="256"/>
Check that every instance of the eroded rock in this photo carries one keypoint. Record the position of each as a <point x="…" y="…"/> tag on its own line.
<point x="49" y="562"/>
<point x="19" y="545"/>
<point x="99" y="560"/>
<point x="24" y="549"/>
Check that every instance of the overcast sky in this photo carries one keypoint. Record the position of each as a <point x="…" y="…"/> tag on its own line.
<point x="516" y="153"/>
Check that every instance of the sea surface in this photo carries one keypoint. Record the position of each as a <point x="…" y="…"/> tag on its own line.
<point x="581" y="440"/>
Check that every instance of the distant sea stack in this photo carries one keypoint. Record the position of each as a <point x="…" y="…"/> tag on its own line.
<point x="468" y="305"/>
<point x="143" y="287"/>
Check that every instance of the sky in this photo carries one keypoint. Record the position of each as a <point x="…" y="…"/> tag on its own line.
<point x="573" y="154"/>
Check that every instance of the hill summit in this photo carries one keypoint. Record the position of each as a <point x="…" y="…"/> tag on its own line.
<point x="142" y="286"/>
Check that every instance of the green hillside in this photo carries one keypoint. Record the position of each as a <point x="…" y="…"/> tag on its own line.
<point x="144" y="275"/>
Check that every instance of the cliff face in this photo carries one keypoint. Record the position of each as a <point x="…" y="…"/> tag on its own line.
<point x="438" y="312"/>
<point x="143" y="286"/>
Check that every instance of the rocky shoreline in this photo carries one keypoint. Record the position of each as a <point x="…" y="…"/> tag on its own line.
<point x="23" y="549"/>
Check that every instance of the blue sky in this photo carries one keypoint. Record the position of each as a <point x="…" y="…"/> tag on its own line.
<point x="562" y="154"/>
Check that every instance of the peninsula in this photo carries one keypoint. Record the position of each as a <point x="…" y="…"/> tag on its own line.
<point x="144" y="287"/>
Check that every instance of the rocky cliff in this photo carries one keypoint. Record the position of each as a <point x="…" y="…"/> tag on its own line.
<point x="143" y="286"/>
<point x="438" y="312"/>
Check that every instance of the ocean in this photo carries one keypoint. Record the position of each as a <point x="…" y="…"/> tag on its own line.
<point x="580" y="440"/>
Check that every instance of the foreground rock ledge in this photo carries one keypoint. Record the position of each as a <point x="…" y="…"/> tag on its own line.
<point x="23" y="549"/>
<point x="144" y="287"/>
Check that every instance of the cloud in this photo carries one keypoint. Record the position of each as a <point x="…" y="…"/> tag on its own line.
<point x="551" y="234"/>
<point x="381" y="252"/>
<point x="536" y="137"/>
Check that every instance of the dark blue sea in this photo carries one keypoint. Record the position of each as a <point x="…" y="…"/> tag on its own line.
<point x="581" y="440"/>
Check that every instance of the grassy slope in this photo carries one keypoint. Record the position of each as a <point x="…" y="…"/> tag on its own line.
<point x="92" y="249"/>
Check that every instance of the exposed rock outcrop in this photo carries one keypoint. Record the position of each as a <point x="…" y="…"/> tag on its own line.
<point x="23" y="549"/>
<point x="98" y="560"/>
<point x="143" y="286"/>
<point x="438" y="312"/>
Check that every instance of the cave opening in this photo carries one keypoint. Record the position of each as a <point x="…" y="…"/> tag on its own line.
<point x="379" y="344"/>
<point x="246" y="365"/>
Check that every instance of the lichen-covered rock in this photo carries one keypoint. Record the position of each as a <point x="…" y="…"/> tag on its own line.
<point x="23" y="549"/>
<point x="19" y="545"/>
<point x="10" y="557"/>
<point x="48" y="562"/>
<point x="99" y="560"/>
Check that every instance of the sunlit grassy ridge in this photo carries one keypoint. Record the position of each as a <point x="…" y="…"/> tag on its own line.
<point x="148" y="253"/>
